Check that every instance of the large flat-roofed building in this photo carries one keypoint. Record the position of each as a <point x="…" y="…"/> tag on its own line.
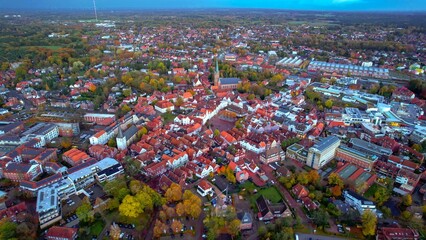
<point x="360" y="178"/>
<point x="99" y="118"/>
<point x="323" y="152"/>
<point x="347" y="68"/>
<point x="361" y="159"/>
<point x="369" y="148"/>
<point x="46" y="132"/>
<point x="48" y="206"/>
<point x="297" y="152"/>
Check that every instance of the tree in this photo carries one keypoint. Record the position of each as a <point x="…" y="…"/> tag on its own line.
<point x="407" y="200"/>
<point x="135" y="186"/>
<point x="176" y="226"/>
<point x="328" y="104"/>
<point x="320" y="218"/>
<point x="174" y="193"/>
<point x="216" y="132"/>
<point x="369" y="221"/>
<point x="159" y="229"/>
<point x="406" y="215"/>
<point x="336" y="191"/>
<point x="117" y="188"/>
<point x="130" y="207"/>
<point x="84" y="212"/>
<point x="24" y="231"/>
<point x="180" y="209"/>
<point x="142" y="132"/>
<point x="333" y="210"/>
<point x="302" y="178"/>
<point x="381" y="196"/>
<point x="313" y="176"/>
<point x="7" y="229"/>
<point x="334" y="179"/>
<point x="125" y="108"/>
<point x="192" y="204"/>
<point x="127" y="92"/>
<point x="66" y="143"/>
<point x="112" y="142"/>
<point x="234" y="227"/>
<point x="132" y="167"/>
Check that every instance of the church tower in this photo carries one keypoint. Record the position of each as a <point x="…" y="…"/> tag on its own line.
<point x="216" y="75"/>
<point x="121" y="140"/>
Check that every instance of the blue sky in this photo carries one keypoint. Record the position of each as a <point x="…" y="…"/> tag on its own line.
<point x="340" y="5"/>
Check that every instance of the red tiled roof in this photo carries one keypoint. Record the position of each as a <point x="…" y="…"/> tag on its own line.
<point x="61" y="232"/>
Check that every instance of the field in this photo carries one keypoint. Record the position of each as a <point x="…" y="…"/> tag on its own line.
<point x="270" y="193"/>
<point x="97" y="228"/>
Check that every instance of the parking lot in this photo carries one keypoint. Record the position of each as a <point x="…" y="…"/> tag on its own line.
<point x="70" y="205"/>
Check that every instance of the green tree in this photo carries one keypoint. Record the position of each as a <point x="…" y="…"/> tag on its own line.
<point x="125" y="108"/>
<point x="234" y="227"/>
<point x="407" y="200"/>
<point x="334" y="179"/>
<point x="320" y="218"/>
<point x="406" y="215"/>
<point x="84" y="212"/>
<point x="328" y="104"/>
<point x="216" y="132"/>
<point x="369" y="222"/>
<point x="7" y="229"/>
<point x="112" y="142"/>
<point x="381" y="196"/>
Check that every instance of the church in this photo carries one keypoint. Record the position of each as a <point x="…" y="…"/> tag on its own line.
<point x="224" y="83"/>
<point x="125" y="139"/>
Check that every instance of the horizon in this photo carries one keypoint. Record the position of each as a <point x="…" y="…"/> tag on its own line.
<point x="289" y="5"/>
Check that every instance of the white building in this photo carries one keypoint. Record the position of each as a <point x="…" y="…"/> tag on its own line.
<point x="48" y="207"/>
<point x="358" y="202"/>
<point x="323" y="152"/>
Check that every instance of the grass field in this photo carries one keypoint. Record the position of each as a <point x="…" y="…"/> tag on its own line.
<point x="97" y="227"/>
<point x="270" y="193"/>
<point x="47" y="47"/>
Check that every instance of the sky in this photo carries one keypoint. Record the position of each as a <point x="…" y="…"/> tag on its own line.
<point x="326" y="5"/>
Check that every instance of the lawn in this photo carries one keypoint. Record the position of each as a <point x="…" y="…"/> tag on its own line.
<point x="270" y="193"/>
<point x="96" y="228"/>
<point x="372" y="190"/>
<point x="168" y="117"/>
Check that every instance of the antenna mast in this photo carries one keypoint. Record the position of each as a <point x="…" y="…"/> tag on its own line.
<point x="96" y="14"/>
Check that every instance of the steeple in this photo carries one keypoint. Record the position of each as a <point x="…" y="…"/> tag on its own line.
<point x="120" y="132"/>
<point x="217" y="67"/>
<point x="216" y="75"/>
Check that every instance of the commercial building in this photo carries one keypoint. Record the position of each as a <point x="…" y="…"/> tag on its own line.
<point x="45" y="132"/>
<point x="297" y="152"/>
<point x="48" y="207"/>
<point x="323" y="152"/>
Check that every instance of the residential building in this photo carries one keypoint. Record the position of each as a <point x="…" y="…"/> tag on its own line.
<point x="359" y="202"/>
<point x="45" y="132"/>
<point x="300" y="191"/>
<point x="204" y="188"/>
<point x="48" y="207"/>
<point x="18" y="172"/>
<point x="269" y="211"/>
<point x="246" y="220"/>
<point x="74" y="157"/>
<point x="323" y="152"/>
<point x="164" y="106"/>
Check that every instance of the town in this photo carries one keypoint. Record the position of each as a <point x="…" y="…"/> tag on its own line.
<point x="212" y="125"/>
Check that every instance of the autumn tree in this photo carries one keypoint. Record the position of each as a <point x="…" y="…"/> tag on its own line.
<point x="174" y="193"/>
<point x="334" y="179"/>
<point x="302" y="178"/>
<point x="313" y="176"/>
<point x="159" y="229"/>
<point x="66" y="143"/>
<point x="234" y="227"/>
<point x="130" y="207"/>
<point x="216" y="132"/>
<point x="192" y="204"/>
<point x="180" y="209"/>
<point x="176" y="226"/>
<point x="407" y="200"/>
<point x="328" y="104"/>
<point x="369" y="221"/>
<point x="336" y="191"/>
<point x="135" y="186"/>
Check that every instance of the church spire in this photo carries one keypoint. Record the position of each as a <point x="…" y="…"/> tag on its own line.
<point x="217" y="67"/>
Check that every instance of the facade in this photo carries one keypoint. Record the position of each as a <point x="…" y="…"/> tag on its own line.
<point x="18" y="172"/>
<point x="164" y="106"/>
<point x="99" y="118"/>
<point x="61" y="233"/>
<point x="323" y="152"/>
<point x="358" y="201"/>
<point x="273" y="153"/>
<point x="360" y="159"/>
<point x="45" y="132"/>
<point x="397" y="233"/>
<point x="346" y="68"/>
<point x="204" y="188"/>
<point x="246" y="220"/>
<point x="124" y="139"/>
